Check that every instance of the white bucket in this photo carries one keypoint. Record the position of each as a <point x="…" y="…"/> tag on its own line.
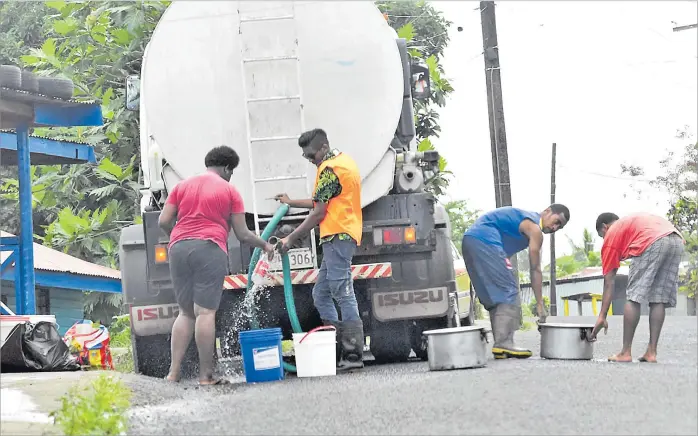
<point x="8" y="322"/>
<point x="316" y="352"/>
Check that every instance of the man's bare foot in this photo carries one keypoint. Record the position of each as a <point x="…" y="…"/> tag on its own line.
<point x="172" y="378"/>
<point x="621" y="357"/>
<point x="648" y="357"/>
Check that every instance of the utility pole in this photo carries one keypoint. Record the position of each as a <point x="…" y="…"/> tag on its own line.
<point x="553" y="291"/>
<point x="495" y="109"/>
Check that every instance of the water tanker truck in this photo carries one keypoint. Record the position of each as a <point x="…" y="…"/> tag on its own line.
<point x="254" y="75"/>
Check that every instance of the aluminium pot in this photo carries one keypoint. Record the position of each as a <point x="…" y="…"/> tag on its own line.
<point x="457" y="348"/>
<point x="566" y="341"/>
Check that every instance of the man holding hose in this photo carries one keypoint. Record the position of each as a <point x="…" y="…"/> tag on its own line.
<point x="336" y="207"/>
<point x="487" y="246"/>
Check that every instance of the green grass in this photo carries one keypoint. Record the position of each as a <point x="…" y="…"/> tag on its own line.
<point x="123" y="359"/>
<point x="98" y="410"/>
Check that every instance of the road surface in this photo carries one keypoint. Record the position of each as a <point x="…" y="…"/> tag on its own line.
<point x="533" y="396"/>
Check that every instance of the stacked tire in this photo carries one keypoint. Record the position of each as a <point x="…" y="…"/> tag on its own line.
<point x="10" y="76"/>
<point x="15" y="78"/>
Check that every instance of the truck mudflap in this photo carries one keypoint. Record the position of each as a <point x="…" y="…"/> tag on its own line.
<point x="410" y="304"/>
<point x="155" y="319"/>
<point x="307" y="276"/>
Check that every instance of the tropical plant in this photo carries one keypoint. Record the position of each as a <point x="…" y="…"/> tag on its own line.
<point x="426" y="32"/>
<point x="461" y="217"/>
<point x="97" y="410"/>
<point x="21" y="27"/>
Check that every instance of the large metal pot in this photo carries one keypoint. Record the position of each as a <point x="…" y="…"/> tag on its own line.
<point x="457" y="348"/>
<point x="566" y="341"/>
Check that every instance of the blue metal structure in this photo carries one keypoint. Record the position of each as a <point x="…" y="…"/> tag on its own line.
<point x="12" y="244"/>
<point x="45" y="151"/>
<point x="21" y="110"/>
<point x="51" y="279"/>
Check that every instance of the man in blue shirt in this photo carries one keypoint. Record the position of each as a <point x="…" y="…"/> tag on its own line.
<point x="487" y="246"/>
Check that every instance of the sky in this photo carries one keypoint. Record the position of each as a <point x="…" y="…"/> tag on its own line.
<point x="609" y="82"/>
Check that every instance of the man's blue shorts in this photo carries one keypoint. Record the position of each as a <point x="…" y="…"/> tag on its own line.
<point x="490" y="271"/>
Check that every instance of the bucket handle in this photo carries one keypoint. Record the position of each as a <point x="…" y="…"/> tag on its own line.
<point x="586" y="335"/>
<point x="316" y="329"/>
<point x="483" y="336"/>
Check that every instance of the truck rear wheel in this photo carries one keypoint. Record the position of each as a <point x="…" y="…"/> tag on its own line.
<point x="418" y="340"/>
<point x="151" y="357"/>
<point x="390" y="341"/>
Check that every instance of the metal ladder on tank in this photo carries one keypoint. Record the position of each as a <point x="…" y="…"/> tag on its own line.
<point x="251" y="140"/>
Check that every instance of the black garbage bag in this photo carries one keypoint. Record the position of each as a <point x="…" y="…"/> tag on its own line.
<point x="36" y="347"/>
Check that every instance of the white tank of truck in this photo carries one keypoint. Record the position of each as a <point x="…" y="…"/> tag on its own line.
<point x="214" y="74"/>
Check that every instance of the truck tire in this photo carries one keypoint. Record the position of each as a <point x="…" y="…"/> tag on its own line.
<point x="56" y="87"/>
<point x="418" y="341"/>
<point x="151" y="357"/>
<point x="390" y="341"/>
<point x="30" y="83"/>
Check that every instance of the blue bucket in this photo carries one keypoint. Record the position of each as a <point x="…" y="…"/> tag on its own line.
<point x="261" y="355"/>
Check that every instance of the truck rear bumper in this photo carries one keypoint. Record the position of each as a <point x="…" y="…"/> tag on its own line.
<point x="309" y="276"/>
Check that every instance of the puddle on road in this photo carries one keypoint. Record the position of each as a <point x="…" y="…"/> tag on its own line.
<point x="19" y="407"/>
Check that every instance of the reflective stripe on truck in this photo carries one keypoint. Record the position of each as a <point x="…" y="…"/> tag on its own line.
<point x="305" y="276"/>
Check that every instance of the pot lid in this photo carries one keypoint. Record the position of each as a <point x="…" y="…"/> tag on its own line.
<point x="454" y="330"/>
<point x="566" y="325"/>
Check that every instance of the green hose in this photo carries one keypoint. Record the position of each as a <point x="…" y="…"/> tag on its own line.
<point x="288" y="287"/>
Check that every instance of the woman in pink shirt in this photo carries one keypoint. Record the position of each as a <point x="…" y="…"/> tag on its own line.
<point x="656" y="249"/>
<point x="198" y="214"/>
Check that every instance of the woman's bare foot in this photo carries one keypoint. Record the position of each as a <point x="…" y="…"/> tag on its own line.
<point x="172" y="378"/>
<point x="621" y="357"/>
<point x="648" y="357"/>
<point x="209" y="382"/>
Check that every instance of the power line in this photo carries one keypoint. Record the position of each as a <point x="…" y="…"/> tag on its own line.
<point x="593" y="173"/>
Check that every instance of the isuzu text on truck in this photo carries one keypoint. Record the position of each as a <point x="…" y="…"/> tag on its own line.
<point x="254" y="75"/>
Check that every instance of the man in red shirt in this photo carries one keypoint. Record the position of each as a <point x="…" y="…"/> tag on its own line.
<point x="656" y="249"/>
<point x="198" y="215"/>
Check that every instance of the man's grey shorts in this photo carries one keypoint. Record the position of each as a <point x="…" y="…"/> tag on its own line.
<point x="654" y="275"/>
<point x="198" y="269"/>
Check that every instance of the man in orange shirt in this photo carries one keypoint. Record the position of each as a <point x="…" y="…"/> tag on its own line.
<point x="336" y="207"/>
<point x="656" y="249"/>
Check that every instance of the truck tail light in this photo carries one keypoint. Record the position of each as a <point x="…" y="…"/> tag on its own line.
<point x="394" y="235"/>
<point x="160" y="254"/>
<point x="410" y="235"/>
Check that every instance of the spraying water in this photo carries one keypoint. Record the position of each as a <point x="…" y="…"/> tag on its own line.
<point x="244" y="313"/>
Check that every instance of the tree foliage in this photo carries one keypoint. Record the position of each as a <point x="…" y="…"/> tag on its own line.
<point x="21" y="28"/>
<point x="680" y="180"/>
<point x="80" y="209"/>
<point x="426" y="32"/>
<point x="461" y="217"/>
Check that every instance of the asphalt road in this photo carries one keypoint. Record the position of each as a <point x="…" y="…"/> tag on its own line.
<point x="533" y="396"/>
